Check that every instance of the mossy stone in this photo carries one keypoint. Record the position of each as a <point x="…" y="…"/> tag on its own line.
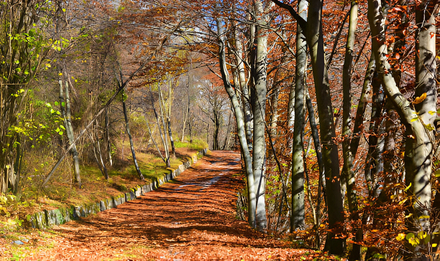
<point x="41" y="221"/>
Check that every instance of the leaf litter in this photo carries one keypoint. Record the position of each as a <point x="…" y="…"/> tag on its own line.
<point x="191" y="218"/>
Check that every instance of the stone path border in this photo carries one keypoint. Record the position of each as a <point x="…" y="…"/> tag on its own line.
<point x="48" y="218"/>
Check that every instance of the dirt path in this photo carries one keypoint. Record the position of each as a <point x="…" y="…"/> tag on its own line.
<point x="190" y="218"/>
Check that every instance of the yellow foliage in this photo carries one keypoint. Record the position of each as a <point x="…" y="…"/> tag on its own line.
<point x="420" y="99"/>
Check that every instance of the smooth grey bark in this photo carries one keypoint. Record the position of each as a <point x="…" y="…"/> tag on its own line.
<point x="418" y="121"/>
<point x="17" y="167"/>
<point x="65" y="112"/>
<point x="239" y="117"/>
<point x="298" y="214"/>
<point x="127" y="128"/>
<point x="170" y="133"/>
<point x="318" y="150"/>
<point x="348" y="175"/>
<point x="107" y="137"/>
<point x="166" y="158"/>
<point x="186" y="112"/>
<point x="162" y="117"/>
<point x="418" y="151"/>
<point x="315" y="43"/>
<point x="274" y="106"/>
<point x="104" y="167"/>
<point x="258" y="100"/>
<point x="373" y="160"/>
<point x="243" y="87"/>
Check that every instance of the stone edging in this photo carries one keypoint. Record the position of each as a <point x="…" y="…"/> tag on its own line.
<point x="48" y="218"/>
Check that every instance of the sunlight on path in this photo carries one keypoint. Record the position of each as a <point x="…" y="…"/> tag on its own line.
<point x="191" y="218"/>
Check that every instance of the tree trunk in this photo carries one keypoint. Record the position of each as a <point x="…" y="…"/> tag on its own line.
<point x="298" y="214"/>
<point x="315" y="42"/>
<point x="98" y="146"/>
<point x="170" y="133"/>
<point x="348" y="175"/>
<point x="162" y="116"/>
<point x="107" y="136"/>
<point x="241" y="131"/>
<point x="418" y="122"/>
<point x="127" y="127"/>
<point x="215" y="145"/>
<point x="258" y="100"/>
<point x="318" y="149"/>
<point x="162" y="135"/>
<point x="17" y="167"/>
<point x="244" y="86"/>
<point x="186" y="112"/>
<point x="69" y="130"/>
<point x="170" y="101"/>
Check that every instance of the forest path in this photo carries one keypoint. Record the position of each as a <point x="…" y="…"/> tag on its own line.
<point x="189" y="218"/>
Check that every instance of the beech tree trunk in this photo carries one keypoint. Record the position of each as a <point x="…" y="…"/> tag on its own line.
<point x="348" y="175"/>
<point x="162" y="131"/>
<point x="258" y="100"/>
<point x="239" y="117"/>
<point x="107" y="136"/>
<point x="298" y="214"/>
<point x="165" y="131"/>
<point x="127" y="127"/>
<point x="315" y="43"/>
<point x="244" y="86"/>
<point x="186" y="112"/>
<point x="65" y="112"/>
<point x="170" y="133"/>
<point x="418" y="121"/>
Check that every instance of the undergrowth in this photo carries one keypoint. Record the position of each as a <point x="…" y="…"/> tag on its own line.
<point x="62" y="191"/>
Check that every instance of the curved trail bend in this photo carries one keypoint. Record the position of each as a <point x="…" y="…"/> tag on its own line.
<point x="189" y="218"/>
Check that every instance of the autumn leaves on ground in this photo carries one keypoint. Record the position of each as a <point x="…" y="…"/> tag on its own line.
<point x="190" y="218"/>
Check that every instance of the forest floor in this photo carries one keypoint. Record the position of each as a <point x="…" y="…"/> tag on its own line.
<point x="190" y="218"/>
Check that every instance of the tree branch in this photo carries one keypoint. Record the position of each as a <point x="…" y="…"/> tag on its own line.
<point x="299" y="19"/>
